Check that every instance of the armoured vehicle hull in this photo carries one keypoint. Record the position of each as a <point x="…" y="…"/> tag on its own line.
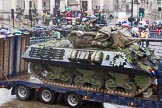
<point x="122" y="71"/>
<point x="108" y="60"/>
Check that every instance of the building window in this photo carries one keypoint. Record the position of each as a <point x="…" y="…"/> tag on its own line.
<point x="44" y="4"/>
<point x="30" y="4"/>
<point x="159" y="1"/>
<point x="67" y="4"/>
<point x="57" y="4"/>
<point x="24" y="4"/>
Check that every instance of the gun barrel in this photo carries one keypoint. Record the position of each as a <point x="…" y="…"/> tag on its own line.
<point x="149" y="39"/>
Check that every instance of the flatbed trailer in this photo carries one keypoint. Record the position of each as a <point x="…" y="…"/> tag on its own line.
<point x="48" y="93"/>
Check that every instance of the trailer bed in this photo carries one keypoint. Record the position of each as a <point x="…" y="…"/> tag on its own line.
<point x="138" y="102"/>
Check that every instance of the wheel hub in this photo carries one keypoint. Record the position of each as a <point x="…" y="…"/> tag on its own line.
<point x="22" y="91"/>
<point x="46" y="95"/>
<point x="73" y="100"/>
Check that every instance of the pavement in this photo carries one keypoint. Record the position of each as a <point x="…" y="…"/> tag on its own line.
<point x="9" y="24"/>
<point x="17" y="24"/>
<point x="157" y="46"/>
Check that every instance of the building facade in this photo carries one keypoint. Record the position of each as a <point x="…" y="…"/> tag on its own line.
<point x="6" y="6"/>
<point x="49" y="6"/>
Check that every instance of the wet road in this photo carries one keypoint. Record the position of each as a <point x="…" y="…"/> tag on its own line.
<point x="5" y="96"/>
<point x="29" y="104"/>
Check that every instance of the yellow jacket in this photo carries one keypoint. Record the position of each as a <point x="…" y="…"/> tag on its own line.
<point x="143" y="35"/>
<point x="146" y="35"/>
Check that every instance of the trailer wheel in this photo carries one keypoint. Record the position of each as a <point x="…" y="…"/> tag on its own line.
<point x="73" y="100"/>
<point x="22" y="92"/>
<point x="47" y="96"/>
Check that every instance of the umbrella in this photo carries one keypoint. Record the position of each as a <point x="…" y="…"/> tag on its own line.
<point x="125" y="25"/>
<point x="2" y="36"/>
<point x="70" y="18"/>
<point x="7" y="33"/>
<point x="68" y="9"/>
<point x="124" y="22"/>
<point x="121" y="21"/>
<point x="154" y="22"/>
<point x="141" y="26"/>
<point x="3" y="30"/>
<point x="91" y="16"/>
<point x="143" y="23"/>
<point x="84" y="19"/>
<point x="159" y="22"/>
<point x="39" y="28"/>
<point x="68" y="27"/>
<point x="56" y="34"/>
<point x="17" y="32"/>
<point x="134" y="30"/>
<point x="38" y="25"/>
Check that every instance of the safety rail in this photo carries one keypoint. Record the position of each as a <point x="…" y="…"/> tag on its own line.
<point x="156" y="35"/>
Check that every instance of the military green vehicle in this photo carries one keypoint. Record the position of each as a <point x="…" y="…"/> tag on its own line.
<point x="108" y="61"/>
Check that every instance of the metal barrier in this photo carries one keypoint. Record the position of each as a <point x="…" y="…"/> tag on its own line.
<point x="156" y="35"/>
<point x="11" y="49"/>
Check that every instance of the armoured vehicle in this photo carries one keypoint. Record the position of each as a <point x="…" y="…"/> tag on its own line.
<point x="107" y="61"/>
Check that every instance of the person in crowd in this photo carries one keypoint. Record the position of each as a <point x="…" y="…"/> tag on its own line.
<point x="81" y="15"/>
<point x="58" y="17"/>
<point x="70" y="15"/>
<point x="142" y="35"/>
<point x="135" y="34"/>
<point x="147" y="21"/>
<point x="147" y="36"/>
<point x="92" y="27"/>
<point x="99" y="18"/>
<point x="157" y="31"/>
<point x="104" y="20"/>
<point x="2" y="27"/>
<point x="78" y="21"/>
<point x="75" y="14"/>
<point x="111" y="16"/>
<point x="159" y="80"/>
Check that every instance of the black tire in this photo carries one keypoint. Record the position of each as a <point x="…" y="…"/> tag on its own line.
<point x="47" y="96"/>
<point x="73" y="100"/>
<point x="22" y="92"/>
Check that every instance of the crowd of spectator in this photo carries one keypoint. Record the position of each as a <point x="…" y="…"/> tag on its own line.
<point x="72" y="17"/>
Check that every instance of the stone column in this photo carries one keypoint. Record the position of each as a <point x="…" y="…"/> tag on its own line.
<point x="90" y="11"/>
<point x="66" y="3"/>
<point x="101" y="4"/>
<point x="26" y="12"/>
<point x="13" y="4"/>
<point x="62" y="5"/>
<point x="52" y="5"/>
<point x="1" y="9"/>
<point x="78" y="3"/>
<point x="40" y="7"/>
<point x="89" y="4"/>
